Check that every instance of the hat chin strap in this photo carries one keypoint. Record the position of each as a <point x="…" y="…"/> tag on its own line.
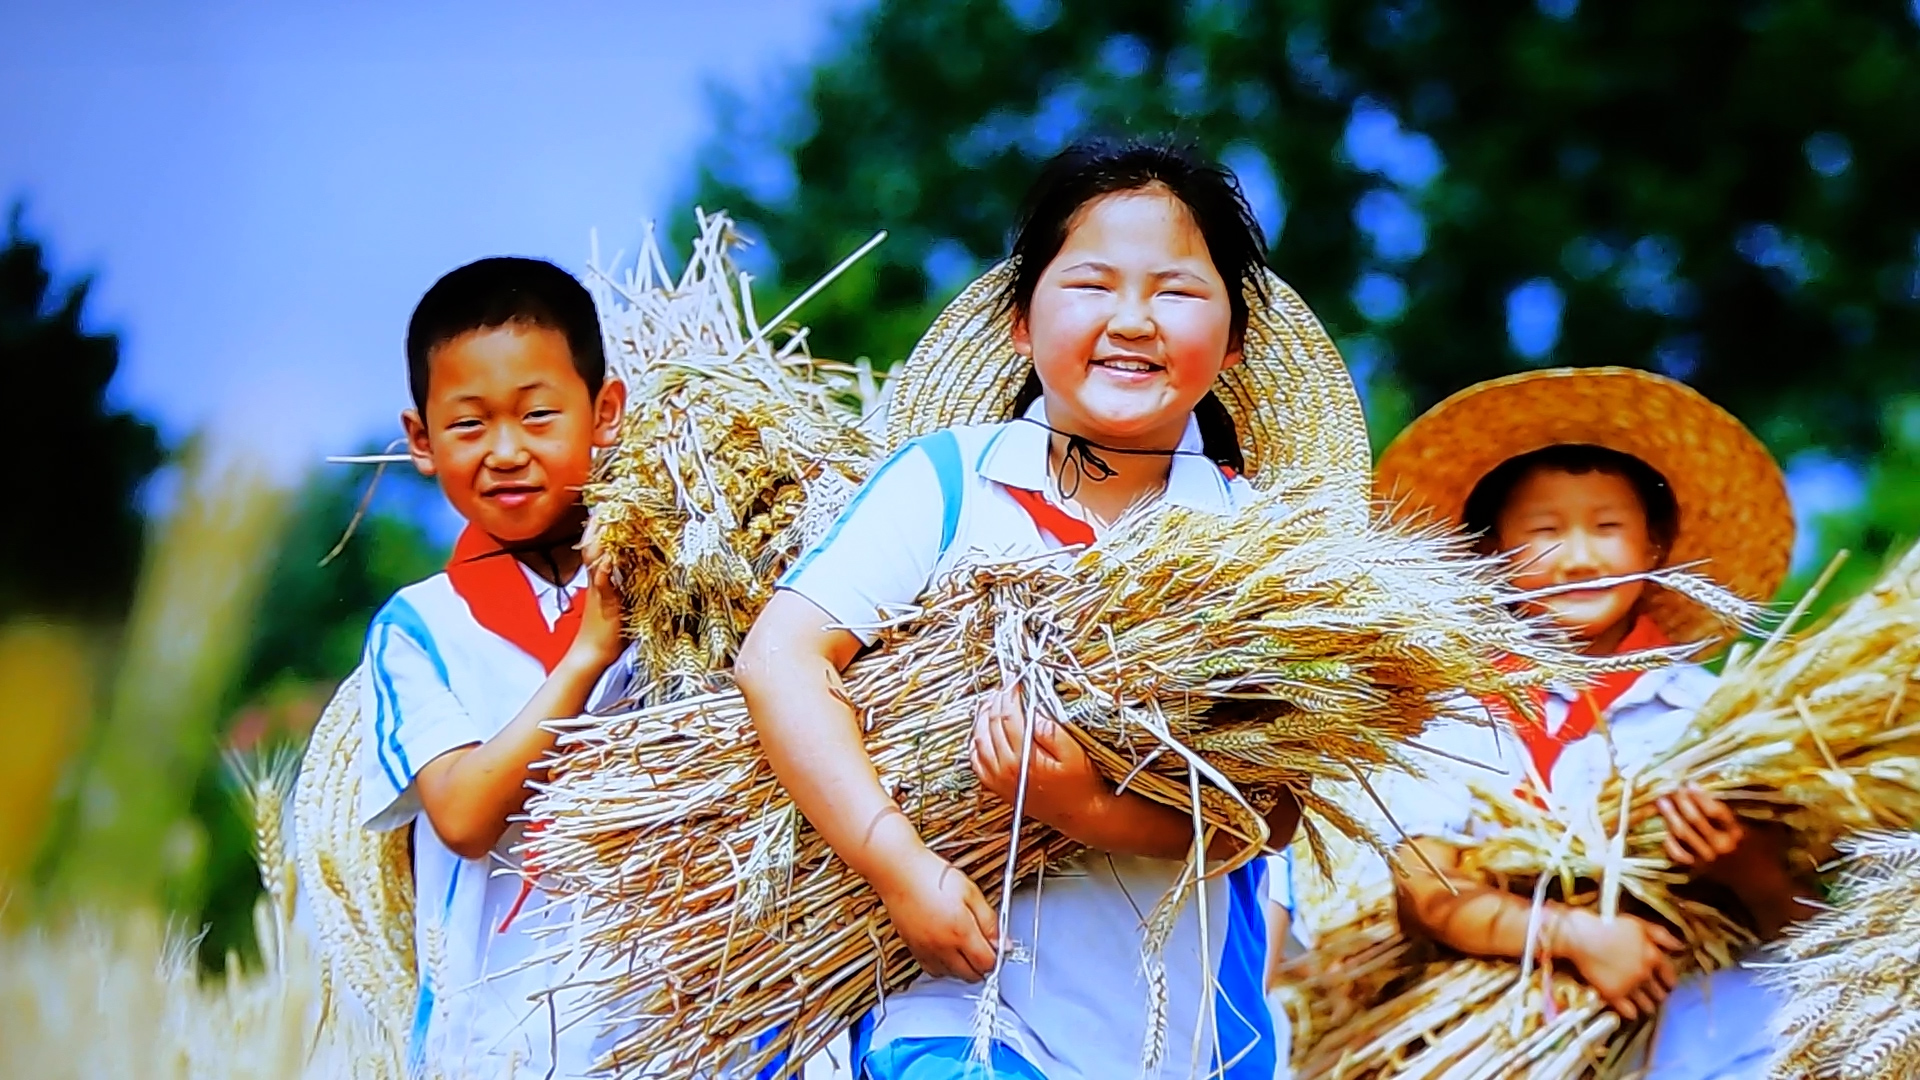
<point x="1080" y="456"/>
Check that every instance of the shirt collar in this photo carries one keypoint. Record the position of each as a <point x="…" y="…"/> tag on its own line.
<point x="1016" y="457"/>
<point x="1665" y="683"/>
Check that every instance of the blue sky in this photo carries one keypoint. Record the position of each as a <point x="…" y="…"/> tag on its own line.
<point x="264" y="191"/>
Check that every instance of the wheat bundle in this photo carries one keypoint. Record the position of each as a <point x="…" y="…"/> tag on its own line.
<point x="1820" y="734"/>
<point x="1211" y="663"/>
<point x="735" y="454"/>
<point x="1851" y="988"/>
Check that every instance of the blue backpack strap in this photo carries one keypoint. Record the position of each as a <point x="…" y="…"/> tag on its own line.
<point x="943" y="449"/>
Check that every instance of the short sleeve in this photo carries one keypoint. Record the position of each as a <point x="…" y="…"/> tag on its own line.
<point x="1453" y="754"/>
<point x="409" y="715"/>
<point x="879" y="556"/>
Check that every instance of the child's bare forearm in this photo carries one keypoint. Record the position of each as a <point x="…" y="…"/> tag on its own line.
<point x="1458" y="911"/>
<point x="1131" y="824"/>
<point x="471" y="794"/>
<point x="789" y="673"/>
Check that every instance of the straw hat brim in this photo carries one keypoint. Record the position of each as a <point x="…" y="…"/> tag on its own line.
<point x="1292" y="402"/>
<point x="1734" y="514"/>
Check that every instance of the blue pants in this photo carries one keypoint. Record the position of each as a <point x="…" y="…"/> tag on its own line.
<point x="945" y="1058"/>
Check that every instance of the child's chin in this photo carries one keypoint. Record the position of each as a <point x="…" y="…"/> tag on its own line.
<point x="518" y="528"/>
<point x="1586" y="621"/>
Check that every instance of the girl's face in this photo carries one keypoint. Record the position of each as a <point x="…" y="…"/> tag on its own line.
<point x="1565" y="528"/>
<point x="1130" y="323"/>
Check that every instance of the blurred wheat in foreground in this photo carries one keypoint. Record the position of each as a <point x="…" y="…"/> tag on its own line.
<point x="1853" y="974"/>
<point x="92" y="998"/>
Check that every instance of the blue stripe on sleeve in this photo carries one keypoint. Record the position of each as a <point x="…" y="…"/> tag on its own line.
<point x="787" y="579"/>
<point x="1246" y="1050"/>
<point x="404" y="617"/>
<point x="943" y="449"/>
<point x="385" y="715"/>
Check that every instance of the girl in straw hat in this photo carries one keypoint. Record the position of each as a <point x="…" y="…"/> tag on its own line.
<point x="1134" y="350"/>
<point x="1584" y="475"/>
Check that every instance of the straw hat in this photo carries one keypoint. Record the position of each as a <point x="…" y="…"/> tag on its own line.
<point x="1732" y="498"/>
<point x="1291" y="399"/>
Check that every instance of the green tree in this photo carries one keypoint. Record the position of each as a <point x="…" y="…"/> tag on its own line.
<point x="70" y="543"/>
<point x="1719" y="191"/>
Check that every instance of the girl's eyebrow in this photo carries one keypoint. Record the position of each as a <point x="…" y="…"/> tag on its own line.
<point x="1097" y="266"/>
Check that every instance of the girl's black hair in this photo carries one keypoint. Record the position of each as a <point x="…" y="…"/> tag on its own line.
<point x="1086" y="171"/>
<point x="1490" y="495"/>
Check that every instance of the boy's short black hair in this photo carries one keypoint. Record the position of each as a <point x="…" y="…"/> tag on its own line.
<point x="494" y="292"/>
<point x="1490" y="495"/>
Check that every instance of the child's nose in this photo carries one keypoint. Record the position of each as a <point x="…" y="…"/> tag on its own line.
<point x="507" y="450"/>
<point x="1132" y="318"/>
<point x="1577" y="551"/>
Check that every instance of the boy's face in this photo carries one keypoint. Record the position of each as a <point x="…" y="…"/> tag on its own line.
<point x="509" y="429"/>
<point x="1567" y="527"/>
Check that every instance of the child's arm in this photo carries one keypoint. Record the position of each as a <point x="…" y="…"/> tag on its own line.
<point x="1064" y="790"/>
<point x="1709" y="839"/>
<point x="789" y="670"/>
<point x="469" y="793"/>
<point x="1624" y="958"/>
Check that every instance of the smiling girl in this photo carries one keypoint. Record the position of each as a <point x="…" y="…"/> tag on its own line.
<point x="1581" y="475"/>
<point x="1129" y="353"/>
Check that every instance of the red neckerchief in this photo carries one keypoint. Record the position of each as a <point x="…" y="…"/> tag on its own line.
<point x="1064" y="527"/>
<point x="501" y="598"/>
<point x="497" y="591"/>
<point x="1586" y="709"/>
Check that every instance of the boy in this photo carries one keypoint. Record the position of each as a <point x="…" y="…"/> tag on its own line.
<point x="511" y="399"/>
<point x="1584" y="475"/>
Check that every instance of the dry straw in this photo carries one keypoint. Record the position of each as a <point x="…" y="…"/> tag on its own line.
<point x="737" y="452"/>
<point x="1305" y="650"/>
<point x="1819" y="733"/>
<point x="1852" y="989"/>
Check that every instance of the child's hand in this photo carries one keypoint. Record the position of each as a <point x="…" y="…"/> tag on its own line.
<point x="1624" y="958"/>
<point x="1063" y="787"/>
<point x="1707" y="837"/>
<point x="941" y="916"/>
<point x="602" y="621"/>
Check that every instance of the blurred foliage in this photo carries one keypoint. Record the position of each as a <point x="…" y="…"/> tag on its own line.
<point x="70" y="544"/>
<point x="306" y="636"/>
<point x="127" y="839"/>
<point x="1884" y="521"/>
<point x="1721" y="191"/>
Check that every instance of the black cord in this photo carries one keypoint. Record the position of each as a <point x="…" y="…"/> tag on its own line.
<point x="1079" y="456"/>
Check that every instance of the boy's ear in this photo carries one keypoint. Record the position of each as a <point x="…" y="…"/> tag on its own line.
<point x="1022" y="337"/>
<point x="608" y="407"/>
<point x="417" y="446"/>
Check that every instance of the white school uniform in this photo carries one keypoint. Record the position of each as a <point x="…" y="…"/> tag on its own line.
<point x="436" y="680"/>
<point x="1713" y="1027"/>
<point x="1075" y="1003"/>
